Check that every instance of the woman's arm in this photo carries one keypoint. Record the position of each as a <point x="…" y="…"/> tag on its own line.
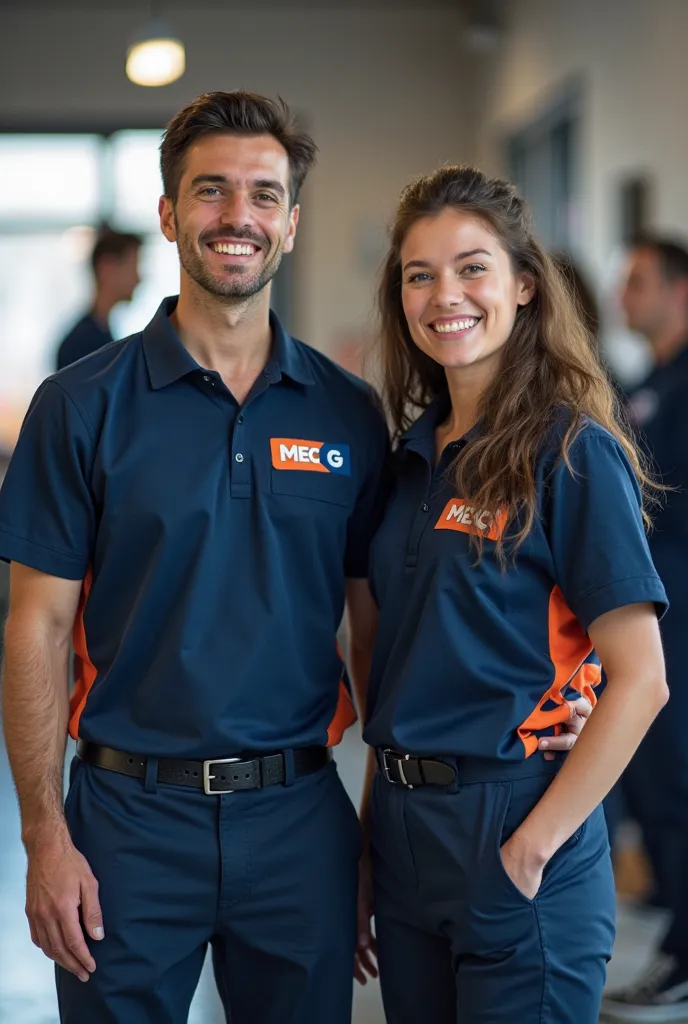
<point x="628" y="643"/>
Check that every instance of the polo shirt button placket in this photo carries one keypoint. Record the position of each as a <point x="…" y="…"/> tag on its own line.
<point x="240" y="474"/>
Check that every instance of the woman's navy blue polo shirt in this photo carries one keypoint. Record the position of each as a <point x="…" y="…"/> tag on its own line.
<point x="213" y="540"/>
<point x="472" y="660"/>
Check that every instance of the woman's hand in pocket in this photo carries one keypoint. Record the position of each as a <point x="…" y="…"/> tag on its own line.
<point x="523" y="869"/>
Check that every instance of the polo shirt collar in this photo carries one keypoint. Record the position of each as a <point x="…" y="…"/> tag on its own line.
<point x="168" y="360"/>
<point x="424" y="427"/>
<point x="287" y="357"/>
<point x="420" y="436"/>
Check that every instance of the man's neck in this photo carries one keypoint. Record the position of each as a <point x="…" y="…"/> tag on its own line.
<point x="668" y="343"/>
<point x="230" y="337"/>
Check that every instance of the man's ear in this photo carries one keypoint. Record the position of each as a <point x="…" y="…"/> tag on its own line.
<point x="168" y="224"/>
<point x="291" y="230"/>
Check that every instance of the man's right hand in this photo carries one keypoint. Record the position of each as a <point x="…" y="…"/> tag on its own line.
<point x="62" y="902"/>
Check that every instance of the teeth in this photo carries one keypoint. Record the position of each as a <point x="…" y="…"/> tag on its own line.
<point x="234" y="250"/>
<point x="456" y="325"/>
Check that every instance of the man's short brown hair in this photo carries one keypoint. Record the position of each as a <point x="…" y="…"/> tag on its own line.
<point x="239" y="113"/>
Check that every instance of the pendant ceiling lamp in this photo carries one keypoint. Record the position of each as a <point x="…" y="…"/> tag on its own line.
<point x="155" y="57"/>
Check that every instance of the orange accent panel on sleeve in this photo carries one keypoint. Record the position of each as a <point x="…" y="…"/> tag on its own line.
<point x="569" y="646"/>
<point x="84" y="669"/>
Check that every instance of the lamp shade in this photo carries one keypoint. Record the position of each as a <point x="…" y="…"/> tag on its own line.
<point x="155" y="57"/>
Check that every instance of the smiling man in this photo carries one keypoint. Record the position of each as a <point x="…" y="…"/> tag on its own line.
<point x="194" y="504"/>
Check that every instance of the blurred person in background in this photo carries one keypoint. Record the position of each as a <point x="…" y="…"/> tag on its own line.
<point x="115" y="267"/>
<point x="655" y="785"/>
<point x="512" y="560"/>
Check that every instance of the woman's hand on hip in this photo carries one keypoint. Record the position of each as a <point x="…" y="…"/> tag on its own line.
<point x="581" y="710"/>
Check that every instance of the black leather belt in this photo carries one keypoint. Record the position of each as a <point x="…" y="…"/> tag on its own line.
<point x="221" y="775"/>
<point x="410" y="771"/>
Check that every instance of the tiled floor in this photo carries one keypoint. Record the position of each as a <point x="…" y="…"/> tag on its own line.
<point x="26" y="978"/>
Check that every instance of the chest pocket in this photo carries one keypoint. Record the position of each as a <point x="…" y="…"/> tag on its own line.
<point x="327" y="487"/>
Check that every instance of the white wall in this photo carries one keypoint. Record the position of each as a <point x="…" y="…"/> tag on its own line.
<point x="630" y="57"/>
<point x="377" y="87"/>
<point x="631" y="60"/>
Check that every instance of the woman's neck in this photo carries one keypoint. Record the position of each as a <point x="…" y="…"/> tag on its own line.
<point x="466" y="388"/>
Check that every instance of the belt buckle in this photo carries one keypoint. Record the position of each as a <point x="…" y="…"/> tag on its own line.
<point x="399" y="761"/>
<point x="207" y="776"/>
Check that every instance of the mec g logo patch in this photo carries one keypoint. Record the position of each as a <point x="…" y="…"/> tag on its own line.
<point x="460" y="515"/>
<point x="311" y="456"/>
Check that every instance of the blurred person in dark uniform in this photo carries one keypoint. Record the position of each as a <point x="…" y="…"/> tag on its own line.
<point x="115" y="264"/>
<point x="655" y="302"/>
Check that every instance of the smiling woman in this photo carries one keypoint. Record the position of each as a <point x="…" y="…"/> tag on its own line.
<point x="511" y="564"/>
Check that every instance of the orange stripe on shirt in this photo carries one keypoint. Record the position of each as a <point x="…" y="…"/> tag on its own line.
<point x="569" y="646"/>
<point x="345" y="713"/>
<point x="84" y="670"/>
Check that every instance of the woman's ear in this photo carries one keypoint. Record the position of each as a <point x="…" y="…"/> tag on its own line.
<point x="525" y="288"/>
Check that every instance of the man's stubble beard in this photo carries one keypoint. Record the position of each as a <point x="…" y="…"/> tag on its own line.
<point x="240" y="286"/>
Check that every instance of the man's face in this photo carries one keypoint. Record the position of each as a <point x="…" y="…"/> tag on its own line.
<point x="647" y="297"/>
<point x="231" y="219"/>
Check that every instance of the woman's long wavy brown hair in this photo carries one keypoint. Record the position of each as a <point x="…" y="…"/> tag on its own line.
<point x="549" y="362"/>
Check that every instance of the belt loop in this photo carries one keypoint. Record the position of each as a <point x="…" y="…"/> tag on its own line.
<point x="150" y="784"/>
<point x="288" y="767"/>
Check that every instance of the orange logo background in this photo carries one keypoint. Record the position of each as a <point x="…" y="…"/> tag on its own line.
<point x="460" y="515"/>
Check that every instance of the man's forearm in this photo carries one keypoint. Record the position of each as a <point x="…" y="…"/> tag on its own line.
<point x="35" y="713"/>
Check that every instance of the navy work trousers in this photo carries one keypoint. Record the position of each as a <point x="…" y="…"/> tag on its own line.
<point x="457" y="940"/>
<point x="266" y="877"/>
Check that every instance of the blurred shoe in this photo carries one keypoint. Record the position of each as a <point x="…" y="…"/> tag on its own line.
<point x="660" y="995"/>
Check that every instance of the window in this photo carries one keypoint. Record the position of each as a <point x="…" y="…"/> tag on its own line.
<point x="54" y="192"/>
<point x="543" y="160"/>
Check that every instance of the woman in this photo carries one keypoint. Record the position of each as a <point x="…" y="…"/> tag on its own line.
<point x="513" y="546"/>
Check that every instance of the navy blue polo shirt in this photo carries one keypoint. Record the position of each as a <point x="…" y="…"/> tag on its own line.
<point x="472" y="660"/>
<point x="658" y="409"/>
<point x="213" y="540"/>
<point x="87" y="336"/>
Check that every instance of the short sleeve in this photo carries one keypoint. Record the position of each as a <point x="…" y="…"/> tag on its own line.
<point x="372" y="497"/>
<point x="597" y="534"/>
<point x="47" y="513"/>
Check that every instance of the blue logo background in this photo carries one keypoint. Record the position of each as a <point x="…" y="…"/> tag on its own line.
<point x="335" y="451"/>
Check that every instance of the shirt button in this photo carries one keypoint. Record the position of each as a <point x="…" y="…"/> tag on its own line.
<point x="206" y="378"/>
<point x="239" y="457"/>
<point x="240" y="419"/>
<point x="426" y="508"/>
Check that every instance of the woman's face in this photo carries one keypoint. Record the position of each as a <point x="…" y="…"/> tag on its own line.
<point x="459" y="292"/>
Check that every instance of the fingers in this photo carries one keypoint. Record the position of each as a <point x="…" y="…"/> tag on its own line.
<point x="581" y="710"/>
<point x="553" y="743"/>
<point x="365" y="964"/>
<point x="91" y="913"/>
<point x="60" y="948"/>
<point x="60" y="936"/>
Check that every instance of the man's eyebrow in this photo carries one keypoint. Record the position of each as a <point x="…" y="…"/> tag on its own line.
<point x="222" y="179"/>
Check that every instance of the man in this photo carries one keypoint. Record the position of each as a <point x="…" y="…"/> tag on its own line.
<point x="193" y="503"/>
<point x="655" y="301"/>
<point x="115" y="266"/>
